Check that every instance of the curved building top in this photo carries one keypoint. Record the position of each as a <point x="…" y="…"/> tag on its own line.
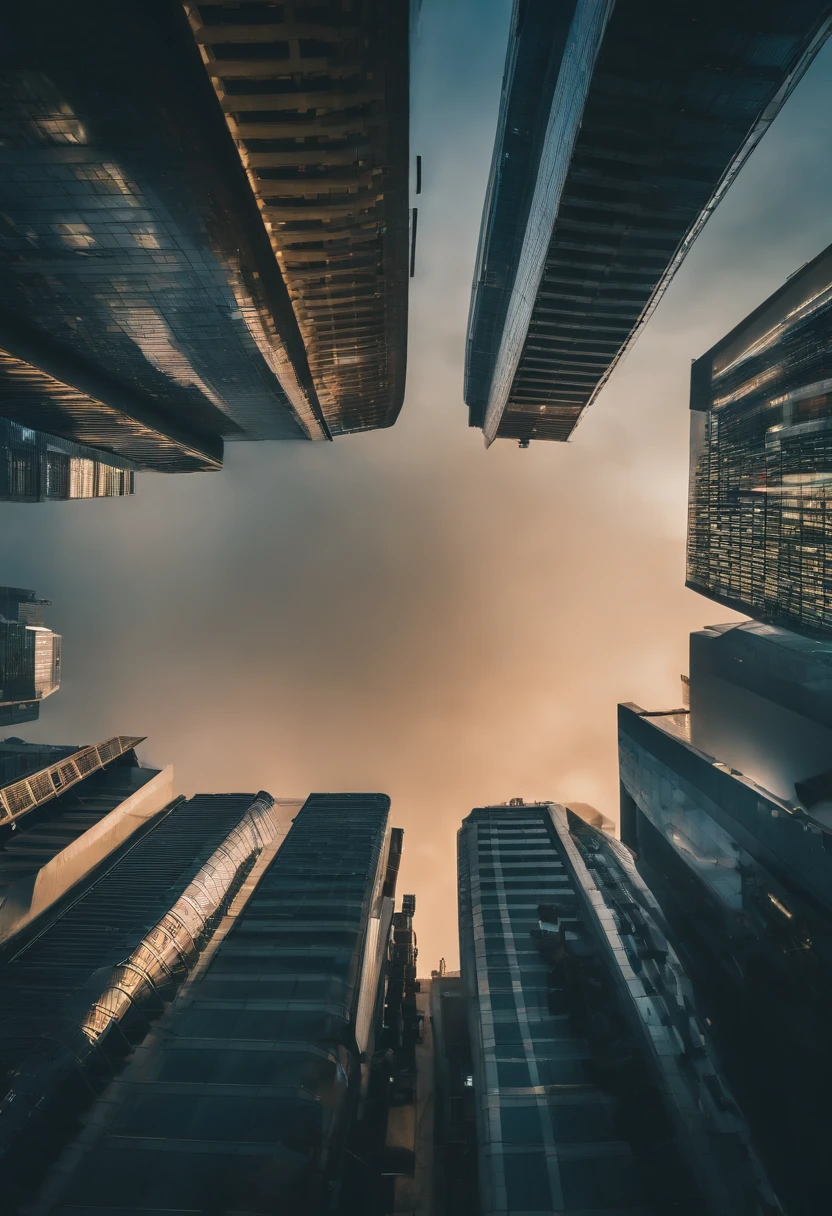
<point x="143" y="310"/>
<point x="621" y="126"/>
<point x="317" y="102"/>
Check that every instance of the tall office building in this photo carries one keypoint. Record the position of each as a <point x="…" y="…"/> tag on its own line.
<point x="30" y="656"/>
<point x="63" y="812"/>
<point x="620" y="128"/>
<point x="727" y="808"/>
<point x="760" y="525"/>
<point x="593" y="1083"/>
<point x="42" y="468"/>
<point x="205" y="224"/>
<point x="245" y="1094"/>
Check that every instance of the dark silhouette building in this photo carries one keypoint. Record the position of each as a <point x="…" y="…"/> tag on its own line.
<point x="204" y="231"/>
<point x="621" y="126"/>
<point x="594" y="1085"/>
<point x="760" y="522"/>
<point x="245" y="1095"/>
<point x="30" y="656"/>
<point x="727" y="808"/>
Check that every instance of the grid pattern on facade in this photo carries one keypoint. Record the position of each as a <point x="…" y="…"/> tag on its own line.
<point x="50" y="984"/>
<point x="131" y="242"/>
<point x="36" y="468"/>
<point x="316" y="98"/>
<point x="133" y="430"/>
<point x="244" y="1101"/>
<point x="678" y="97"/>
<point x="549" y="1138"/>
<point x="41" y="836"/>
<point x="595" y="1084"/>
<point x="37" y="788"/>
<point x="760" y="514"/>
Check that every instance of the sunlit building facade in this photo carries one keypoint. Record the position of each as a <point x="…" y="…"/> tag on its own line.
<point x="63" y="812"/>
<point x="620" y="128"/>
<point x="760" y="520"/>
<point x="277" y="942"/>
<point x="205" y="225"/>
<point x="593" y="1080"/>
<point x="42" y="468"/>
<point x="30" y="656"/>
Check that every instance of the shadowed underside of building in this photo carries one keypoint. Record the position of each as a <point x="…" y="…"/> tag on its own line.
<point x="620" y="129"/>
<point x="148" y="308"/>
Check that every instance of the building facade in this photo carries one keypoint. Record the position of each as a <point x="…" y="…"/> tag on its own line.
<point x="760" y="520"/>
<point x="581" y="1036"/>
<point x="742" y="877"/>
<point x="245" y="1096"/>
<point x="64" y="811"/>
<point x="30" y="656"/>
<point x="205" y="232"/>
<point x="620" y="128"/>
<point x="42" y="468"/>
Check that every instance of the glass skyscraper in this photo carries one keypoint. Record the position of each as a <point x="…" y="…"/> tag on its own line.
<point x="42" y="468"/>
<point x="621" y="126"/>
<point x="203" y="242"/>
<point x="593" y="1080"/>
<point x="727" y="808"/>
<point x="760" y="520"/>
<point x="244" y="1095"/>
<point x="30" y="656"/>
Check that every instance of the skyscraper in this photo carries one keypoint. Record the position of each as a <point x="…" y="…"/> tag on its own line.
<point x="205" y="213"/>
<point x="42" y="468"/>
<point x="727" y="808"/>
<point x="620" y="128"/>
<point x="64" y="811"/>
<point x="30" y="656"/>
<point x="760" y="526"/>
<point x="593" y="1081"/>
<point x="244" y="1096"/>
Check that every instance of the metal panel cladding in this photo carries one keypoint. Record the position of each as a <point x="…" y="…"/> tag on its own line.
<point x="317" y="100"/>
<point x="610" y="155"/>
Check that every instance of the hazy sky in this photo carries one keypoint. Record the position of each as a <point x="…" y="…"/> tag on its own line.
<point x="405" y="611"/>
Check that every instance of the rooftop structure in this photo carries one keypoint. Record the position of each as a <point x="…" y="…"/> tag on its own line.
<point x="594" y="1084"/>
<point x="42" y="468"/>
<point x="760" y="520"/>
<point x="181" y="268"/>
<point x="30" y="656"/>
<point x="742" y="878"/>
<point x="64" y="811"/>
<point x="620" y="128"/>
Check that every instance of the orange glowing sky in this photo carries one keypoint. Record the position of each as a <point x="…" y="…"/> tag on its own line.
<point x="404" y="611"/>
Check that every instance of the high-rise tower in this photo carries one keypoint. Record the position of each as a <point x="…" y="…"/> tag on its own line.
<point x="204" y="224"/>
<point x="760" y="519"/>
<point x="594" y="1085"/>
<point x="621" y="127"/>
<point x="30" y="656"/>
<point x="243" y="1097"/>
<point x="727" y="808"/>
